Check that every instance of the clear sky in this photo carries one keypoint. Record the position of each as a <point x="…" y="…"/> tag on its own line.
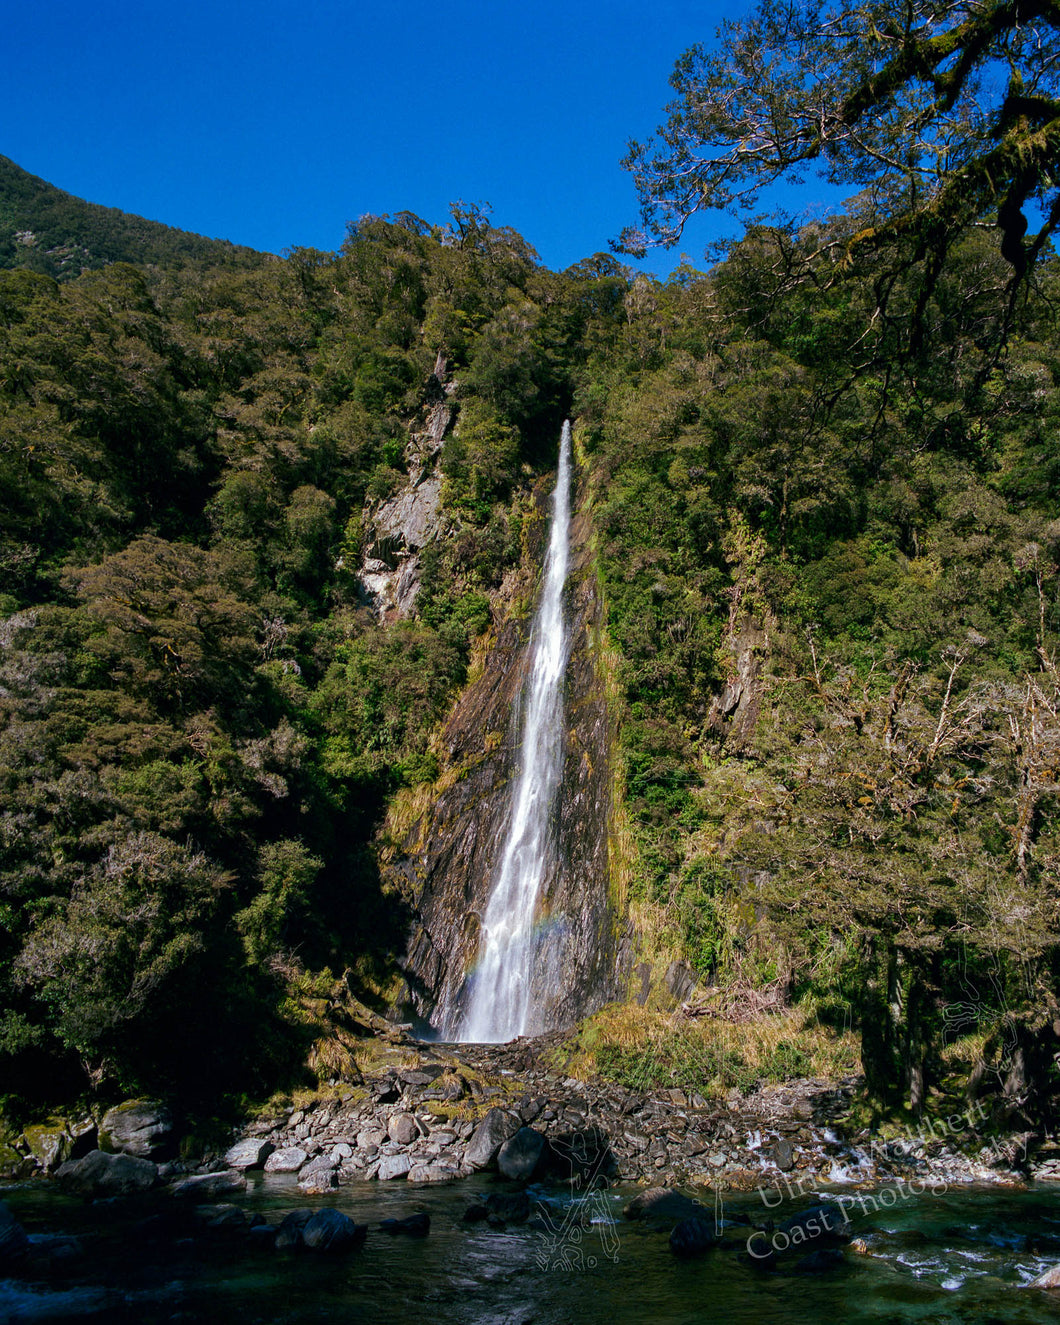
<point x="276" y="122"/>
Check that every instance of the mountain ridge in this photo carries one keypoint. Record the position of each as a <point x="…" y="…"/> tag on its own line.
<point x="45" y="229"/>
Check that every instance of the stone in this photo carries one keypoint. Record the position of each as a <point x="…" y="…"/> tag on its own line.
<point x="86" y="1137"/>
<point x="13" y="1240"/>
<point x="318" y="1182"/>
<point x="249" y="1154"/>
<point x="692" y="1237"/>
<point x="783" y="1157"/>
<point x="12" y="1162"/>
<point x="661" y="1205"/>
<point x="402" y="1129"/>
<point x="508" y="1207"/>
<point x="143" y="1128"/>
<point x="416" y="1226"/>
<point x="288" y="1159"/>
<point x="821" y="1225"/>
<point x="488" y="1137"/>
<point x="331" y="1230"/>
<point x="1047" y="1279"/>
<point x="210" y="1186"/>
<point x="422" y="1075"/>
<point x="223" y="1216"/>
<point x="100" y="1174"/>
<point x="435" y="1173"/>
<point x="520" y="1156"/>
<point x="50" y="1143"/>
<point x="289" y="1232"/>
<point x="393" y="1166"/>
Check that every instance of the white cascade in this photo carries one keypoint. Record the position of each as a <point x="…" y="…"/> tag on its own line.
<point x="501" y="1003"/>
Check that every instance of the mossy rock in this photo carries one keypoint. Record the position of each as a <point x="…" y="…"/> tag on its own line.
<point x="137" y="1127"/>
<point x="12" y="1162"/>
<point x="50" y="1143"/>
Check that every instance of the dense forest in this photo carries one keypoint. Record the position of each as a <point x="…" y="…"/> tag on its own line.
<point x="827" y="536"/>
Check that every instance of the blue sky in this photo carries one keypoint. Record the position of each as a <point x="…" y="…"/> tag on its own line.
<point x="274" y="123"/>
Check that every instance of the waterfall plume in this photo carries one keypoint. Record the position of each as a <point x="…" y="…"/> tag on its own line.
<point x="517" y="955"/>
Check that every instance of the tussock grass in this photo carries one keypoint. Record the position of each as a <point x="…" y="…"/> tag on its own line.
<point x="645" y="1049"/>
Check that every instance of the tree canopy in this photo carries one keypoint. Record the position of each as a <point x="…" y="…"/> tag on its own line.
<point x="940" y="113"/>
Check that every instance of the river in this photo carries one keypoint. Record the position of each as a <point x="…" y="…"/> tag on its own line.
<point x="959" y="1256"/>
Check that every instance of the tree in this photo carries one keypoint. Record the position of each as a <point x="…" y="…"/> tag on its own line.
<point x="942" y="113"/>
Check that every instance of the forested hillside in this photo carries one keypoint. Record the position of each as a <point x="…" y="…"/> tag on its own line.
<point x="46" y="230"/>
<point x="827" y="541"/>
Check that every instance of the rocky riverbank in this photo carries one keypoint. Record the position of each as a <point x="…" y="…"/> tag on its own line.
<point x="436" y="1113"/>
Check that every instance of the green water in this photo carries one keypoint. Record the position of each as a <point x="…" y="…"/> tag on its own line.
<point x="962" y="1256"/>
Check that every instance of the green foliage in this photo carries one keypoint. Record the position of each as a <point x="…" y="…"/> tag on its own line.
<point x="48" y="231"/>
<point x="828" y="558"/>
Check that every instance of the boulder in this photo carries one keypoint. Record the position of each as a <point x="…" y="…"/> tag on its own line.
<point x="223" y="1216"/>
<point x="821" y="1225"/>
<point x="317" y="1181"/>
<point x="210" y="1186"/>
<point x="508" y="1207"/>
<point x="50" y="1143"/>
<point x="331" y="1230"/>
<point x="1047" y="1279"/>
<point x="288" y="1159"/>
<point x="661" y="1205"/>
<point x="402" y="1129"/>
<point x="289" y="1234"/>
<point x="436" y="1173"/>
<point x="262" y="1235"/>
<point x="488" y="1137"/>
<point x="13" y="1240"/>
<point x="519" y="1156"/>
<point x="783" y="1156"/>
<point x="249" y="1154"/>
<point x="143" y="1128"/>
<point x="13" y="1164"/>
<point x="416" y="1226"/>
<point x="101" y="1174"/>
<point x="692" y="1237"/>
<point x="393" y="1166"/>
<point x="85" y="1134"/>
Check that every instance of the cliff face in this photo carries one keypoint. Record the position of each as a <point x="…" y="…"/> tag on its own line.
<point x="444" y="862"/>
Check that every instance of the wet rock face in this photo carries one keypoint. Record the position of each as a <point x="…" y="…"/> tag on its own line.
<point x="446" y="864"/>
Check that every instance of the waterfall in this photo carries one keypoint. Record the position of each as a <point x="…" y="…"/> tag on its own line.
<point x="514" y="956"/>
